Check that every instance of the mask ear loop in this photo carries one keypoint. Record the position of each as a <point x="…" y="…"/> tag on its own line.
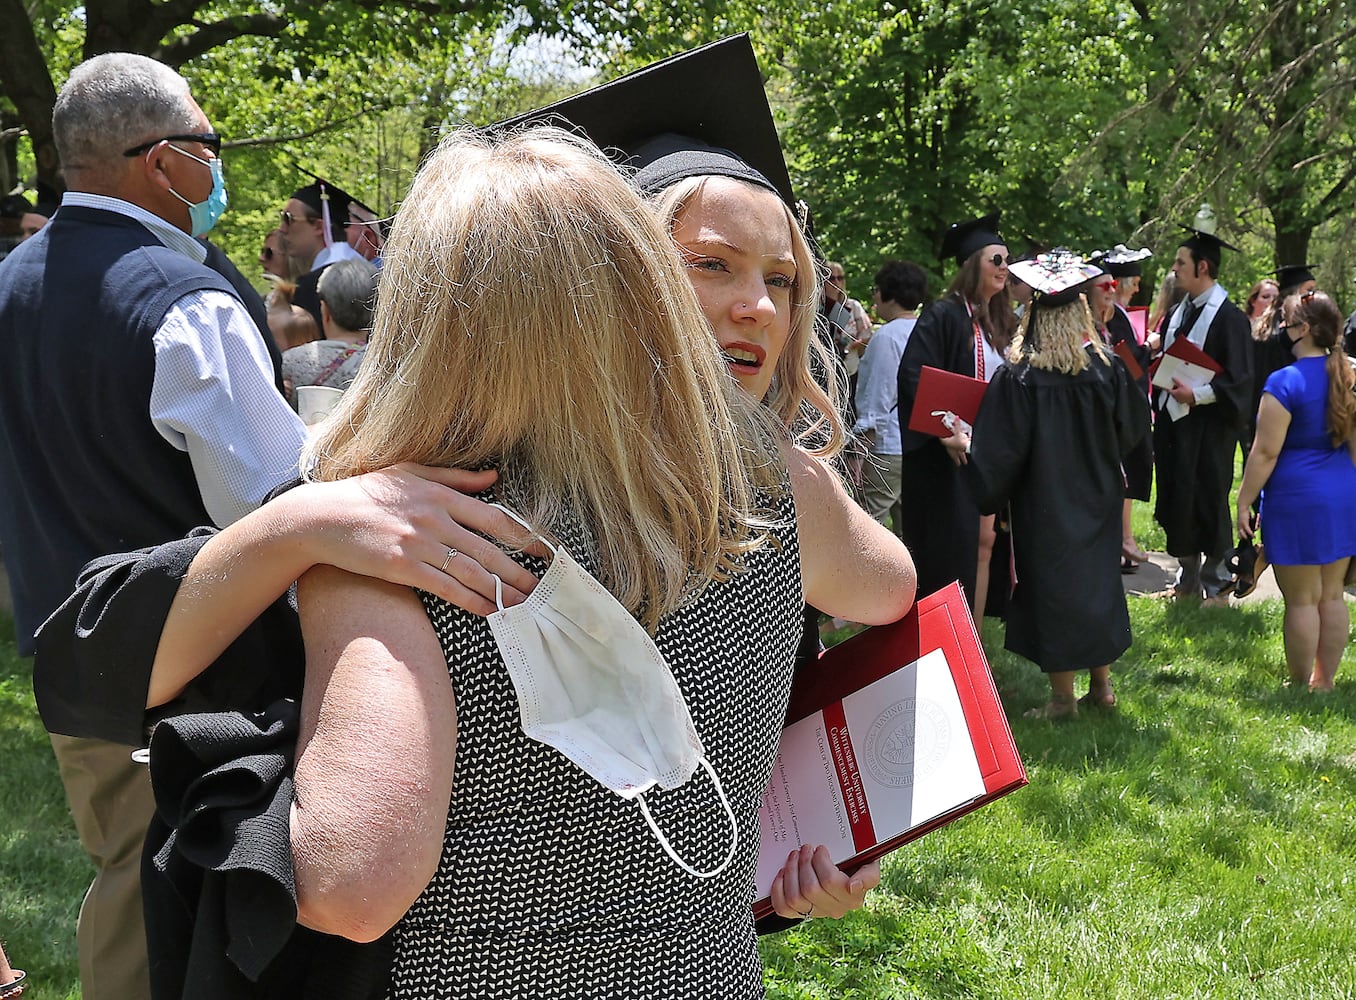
<point x="498" y="583"/>
<point x="668" y="848"/>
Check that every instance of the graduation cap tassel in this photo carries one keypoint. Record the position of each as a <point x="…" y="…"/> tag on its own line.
<point x="325" y="215"/>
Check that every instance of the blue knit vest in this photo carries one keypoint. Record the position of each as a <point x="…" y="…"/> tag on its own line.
<point x="82" y="470"/>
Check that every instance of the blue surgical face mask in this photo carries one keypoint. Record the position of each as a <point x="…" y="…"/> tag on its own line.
<point x="204" y="215"/>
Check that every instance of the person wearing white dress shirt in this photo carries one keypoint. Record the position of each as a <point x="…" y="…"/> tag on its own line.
<point x="137" y="401"/>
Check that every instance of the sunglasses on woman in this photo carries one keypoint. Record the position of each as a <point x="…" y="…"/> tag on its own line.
<point x="998" y="260"/>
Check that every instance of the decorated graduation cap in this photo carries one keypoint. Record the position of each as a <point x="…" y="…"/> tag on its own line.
<point x="700" y="112"/>
<point x="1122" y="262"/>
<point x="1057" y="276"/>
<point x="964" y="238"/>
<point x="1206" y="246"/>
<point x="1058" y="312"/>
<point x="1291" y="276"/>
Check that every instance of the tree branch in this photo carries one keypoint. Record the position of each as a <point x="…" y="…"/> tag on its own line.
<point x="1330" y="199"/>
<point x="1309" y="161"/>
<point x="209" y="36"/>
<point x="279" y="140"/>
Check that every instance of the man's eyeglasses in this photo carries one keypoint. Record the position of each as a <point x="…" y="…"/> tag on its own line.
<point x="1107" y="286"/>
<point x="998" y="260"/>
<point x="288" y="218"/>
<point x="209" y="139"/>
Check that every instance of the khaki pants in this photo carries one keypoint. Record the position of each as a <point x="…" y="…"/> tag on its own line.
<point x="881" y="486"/>
<point x="110" y="800"/>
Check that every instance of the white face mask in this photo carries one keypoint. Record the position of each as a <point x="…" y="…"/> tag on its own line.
<point x="592" y="684"/>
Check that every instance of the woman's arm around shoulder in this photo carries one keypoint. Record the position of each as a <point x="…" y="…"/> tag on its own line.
<point x="375" y="757"/>
<point x="851" y="567"/>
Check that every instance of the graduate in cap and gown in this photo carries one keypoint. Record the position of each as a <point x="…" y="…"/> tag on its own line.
<point x="314" y="229"/>
<point x="709" y="163"/>
<point x="1125" y="268"/>
<point x="1054" y="427"/>
<point x="1196" y="428"/>
<point x="965" y="331"/>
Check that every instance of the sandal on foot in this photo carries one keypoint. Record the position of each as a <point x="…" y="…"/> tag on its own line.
<point x="1130" y="550"/>
<point x="1098" y="703"/>
<point x="1129" y="565"/>
<point x="1053" y="711"/>
<point x="14" y="988"/>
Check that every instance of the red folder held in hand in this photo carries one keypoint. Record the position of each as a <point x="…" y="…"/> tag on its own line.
<point x="877" y="765"/>
<point x="940" y="390"/>
<point x="1180" y="357"/>
<point x="1185" y="350"/>
<point x="1124" y="352"/>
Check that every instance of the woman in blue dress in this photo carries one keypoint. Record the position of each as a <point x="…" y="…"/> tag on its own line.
<point x="1303" y="463"/>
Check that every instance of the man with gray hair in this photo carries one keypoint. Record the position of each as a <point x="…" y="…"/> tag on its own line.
<point x="136" y="402"/>
<point x="347" y="292"/>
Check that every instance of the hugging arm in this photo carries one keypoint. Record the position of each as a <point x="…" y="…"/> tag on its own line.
<point x="375" y="756"/>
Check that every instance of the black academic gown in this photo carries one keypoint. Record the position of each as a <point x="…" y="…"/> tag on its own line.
<point x="1051" y="446"/>
<point x="218" y="893"/>
<point x="939" y="521"/>
<point x="1269" y="355"/>
<point x="307" y="294"/>
<point x="1139" y="464"/>
<point x="1194" y="456"/>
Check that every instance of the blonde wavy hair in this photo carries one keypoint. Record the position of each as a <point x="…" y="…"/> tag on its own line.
<point x="807" y="408"/>
<point x="1052" y="338"/>
<point x="532" y="315"/>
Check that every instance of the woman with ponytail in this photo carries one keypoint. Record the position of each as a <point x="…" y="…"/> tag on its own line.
<point x="1303" y="464"/>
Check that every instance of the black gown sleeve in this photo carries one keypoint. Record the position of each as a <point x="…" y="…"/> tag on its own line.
<point x="94" y="654"/>
<point x="942" y="338"/>
<point x="1132" y="411"/>
<point x="1230" y="343"/>
<point x="1003" y="434"/>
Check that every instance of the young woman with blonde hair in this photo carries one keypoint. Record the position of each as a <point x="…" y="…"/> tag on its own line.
<point x="1052" y="432"/>
<point x="533" y="315"/>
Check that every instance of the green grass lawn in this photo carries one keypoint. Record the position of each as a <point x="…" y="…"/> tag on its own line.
<point x="1201" y="843"/>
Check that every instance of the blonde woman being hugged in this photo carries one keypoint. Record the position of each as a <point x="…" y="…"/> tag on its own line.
<point x="562" y="853"/>
<point x="1302" y="466"/>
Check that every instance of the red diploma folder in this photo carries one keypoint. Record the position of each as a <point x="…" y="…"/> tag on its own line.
<point x="1139" y="321"/>
<point x="1124" y="352"/>
<point x="892" y="734"/>
<point x="1185" y="361"/>
<point x="943" y="390"/>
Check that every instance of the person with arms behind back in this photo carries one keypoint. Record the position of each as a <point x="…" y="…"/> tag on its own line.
<point x="1303" y="466"/>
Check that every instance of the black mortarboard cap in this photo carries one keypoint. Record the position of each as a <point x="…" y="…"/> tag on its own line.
<point x="1122" y="262"/>
<point x="964" y="238"/>
<point x="1290" y="276"/>
<point x="313" y="197"/>
<point x="699" y="112"/>
<point x="1057" y="275"/>
<point x="1206" y="245"/>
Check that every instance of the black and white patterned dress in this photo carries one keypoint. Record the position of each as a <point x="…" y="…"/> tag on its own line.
<point x="550" y="885"/>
